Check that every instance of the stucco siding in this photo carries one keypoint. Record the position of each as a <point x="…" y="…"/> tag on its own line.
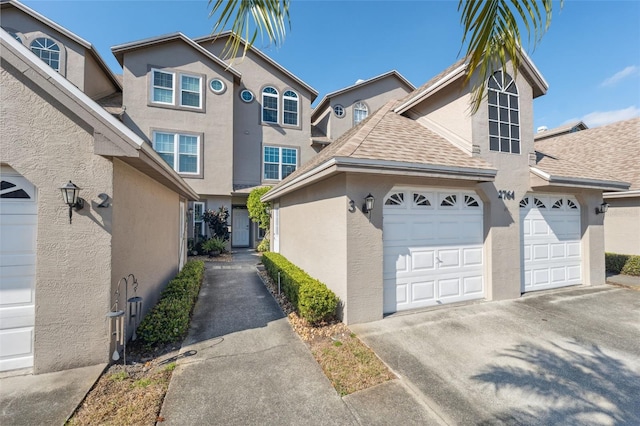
<point x="622" y="226"/>
<point x="214" y="123"/>
<point x="146" y="239"/>
<point x="313" y="226"/>
<point x="97" y="84"/>
<point x="73" y="270"/>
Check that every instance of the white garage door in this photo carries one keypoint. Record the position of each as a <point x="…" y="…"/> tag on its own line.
<point x="432" y="248"/>
<point x="550" y="239"/>
<point x="18" y="225"/>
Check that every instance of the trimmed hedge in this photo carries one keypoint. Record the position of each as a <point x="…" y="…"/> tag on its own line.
<point x="312" y="299"/>
<point x="622" y="263"/>
<point x="168" y="320"/>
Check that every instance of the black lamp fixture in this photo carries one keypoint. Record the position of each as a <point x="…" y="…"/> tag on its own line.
<point x="602" y="208"/>
<point x="368" y="204"/>
<point x="70" y="195"/>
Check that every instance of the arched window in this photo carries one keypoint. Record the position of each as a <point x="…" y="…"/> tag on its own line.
<point x="360" y="112"/>
<point x="269" y="105"/>
<point x="47" y="50"/>
<point x="16" y="36"/>
<point x="504" y="120"/>
<point x="290" y="108"/>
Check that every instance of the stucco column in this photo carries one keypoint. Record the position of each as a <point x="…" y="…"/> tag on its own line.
<point x="592" y="231"/>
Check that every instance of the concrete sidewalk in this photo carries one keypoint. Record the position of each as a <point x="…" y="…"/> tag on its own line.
<point x="45" y="399"/>
<point x="622" y="280"/>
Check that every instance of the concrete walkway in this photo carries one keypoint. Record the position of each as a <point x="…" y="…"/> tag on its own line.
<point x="44" y="399"/>
<point x="622" y="280"/>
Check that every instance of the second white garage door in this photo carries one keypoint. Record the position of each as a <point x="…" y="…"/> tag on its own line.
<point x="432" y="243"/>
<point x="550" y="241"/>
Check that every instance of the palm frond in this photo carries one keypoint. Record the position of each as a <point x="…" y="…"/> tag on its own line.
<point x="492" y="28"/>
<point x="250" y="19"/>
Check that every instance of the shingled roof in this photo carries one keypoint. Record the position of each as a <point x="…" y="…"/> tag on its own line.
<point x="609" y="152"/>
<point x="394" y="142"/>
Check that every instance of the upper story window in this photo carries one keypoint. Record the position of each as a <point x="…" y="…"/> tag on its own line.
<point x="279" y="162"/>
<point x="246" y="95"/>
<point x="162" y="87"/>
<point x="360" y="112"/>
<point x="47" y="50"/>
<point x="180" y="151"/>
<point x="190" y="90"/>
<point x="269" y="105"/>
<point x="338" y="110"/>
<point x="290" y="108"/>
<point x="504" y="120"/>
<point x="16" y="36"/>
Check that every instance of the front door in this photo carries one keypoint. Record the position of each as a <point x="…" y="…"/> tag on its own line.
<point x="240" y="236"/>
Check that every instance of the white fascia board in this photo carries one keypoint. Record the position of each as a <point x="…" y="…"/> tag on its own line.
<point x="86" y="103"/>
<point x="611" y="185"/>
<point x="535" y="72"/>
<point x="622" y="194"/>
<point x="369" y="166"/>
<point x="444" y="81"/>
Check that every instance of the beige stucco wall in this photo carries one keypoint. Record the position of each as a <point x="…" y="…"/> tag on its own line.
<point x="313" y="225"/>
<point x="73" y="271"/>
<point x="249" y="134"/>
<point x="214" y="123"/>
<point x="146" y="235"/>
<point x="96" y="83"/>
<point x="622" y="226"/>
<point x="374" y="95"/>
<point x="72" y="54"/>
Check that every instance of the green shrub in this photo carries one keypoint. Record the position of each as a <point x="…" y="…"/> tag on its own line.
<point x="632" y="267"/>
<point x="214" y="244"/>
<point x="311" y="298"/>
<point x="263" y="246"/>
<point x="168" y="320"/>
<point x="615" y="262"/>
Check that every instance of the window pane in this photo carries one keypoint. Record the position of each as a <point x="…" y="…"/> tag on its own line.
<point x="493" y="113"/>
<point x="188" y="164"/>
<point x="270" y="102"/>
<point x="514" y="117"/>
<point x="515" y="146"/>
<point x="492" y="97"/>
<point x="162" y="79"/>
<point x="191" y="99"/>
<point x="271" y="171"/>
<point x="162" y="95"/>
<point x="270" y="116"/>
<point x="515" y="132"/>
<point x="188" y="144"/>
<point x="503" y="99"/>
<point x="289" y="156"/>
<point x="494" y="144"/>
<point x="168" y="158"/>
<point x="493" y="128"/>
<point x="504" y="129"/>
<point x="513" y="102"/>
<point x="291" y="118"/>
<point x="504" y="114"/>
<point x="190" y="83"/>
<point x="163" y="142"/>
<point x="504" y="145"/>
<point x="271" y="155"/>
<point x="287" y="170"/>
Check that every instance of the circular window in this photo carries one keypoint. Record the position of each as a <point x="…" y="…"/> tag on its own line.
<point x="216" y="85"/>
<point x="338" y="110"/>
<point x="246" y="95"/>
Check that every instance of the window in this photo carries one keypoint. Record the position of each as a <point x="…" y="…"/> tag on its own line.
<point x="198" y="221"/>
<point x="338" y="110"/>
<point x="181" y="152"/>
<point x="360" y="112"/>
<point x="290" y="108"/>
<point x="279" y="162"/>
<point x="269" y="105"/>
<point x="16" y="36"/>
<point x="47" y="50"/>
<point x="216" y="85"/>
<point x="504" y="120"/>
<point x="162" y="87"/>
<point x="190" y="91"/>
<point x="246" y="95"/>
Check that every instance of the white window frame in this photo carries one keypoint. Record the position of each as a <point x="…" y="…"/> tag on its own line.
<point x="296" y="99"/>
<point x="176" y="150"/>
<point x="509" y="122"/>
<point x="359" y="106"/>
<point x="270" y="95"/>
<point x="45" y="48"/>
<point x="279" y="163"/>
<point x="153" y="87"/>
<point x="190" y="91"/>
<point x="201" y="221"/>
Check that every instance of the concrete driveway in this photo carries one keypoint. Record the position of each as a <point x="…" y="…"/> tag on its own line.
<point x="564" y="357"/>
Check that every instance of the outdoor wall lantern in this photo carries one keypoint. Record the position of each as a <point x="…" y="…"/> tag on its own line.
<point x="602" y="208"/>
<point x="267" y="210"/>
<point x="70" y="195"/>
<point x="368" y="204"/>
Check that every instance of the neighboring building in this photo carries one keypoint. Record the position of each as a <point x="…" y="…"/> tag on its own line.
<point x="466" y="208"/>
<point x="613" y="149"/>
<point x="58" y="279"/>
<point x="339" y="111"/>
<point x="225" y="129"/>
<point x="544" y="133"/>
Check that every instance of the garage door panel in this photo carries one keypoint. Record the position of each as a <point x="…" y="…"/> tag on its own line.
<point x="423" y="260"/>
<point x="472" y="285"/>
<point x="17" y="317"/>
<point x="558" y="275"/>
<point x="540" y="252"/>
<point x="448" y="231"/>
<point x="558" y="251"/>
<point x="449" y="258"/>
<point x="16" y="342"/>
<point x="573" y="250"/>
<point x="539" y="227"/>
<point x="422" y="291"/>
<point x="449" y="287"/>
<point x="422" y="230"/>
<point x="573" y="274"/>
<point x="17" y="289"/>
<point x="395" y="263"/>
<point x="472" y="256"/>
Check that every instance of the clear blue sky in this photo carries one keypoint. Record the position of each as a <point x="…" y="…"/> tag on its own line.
<point x="590" y="57"/>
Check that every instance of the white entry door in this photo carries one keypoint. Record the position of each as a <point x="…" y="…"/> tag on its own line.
<point x="433" y="248"/>
<point x="18" y="228"/>
<point x="550" y="242"/>
<point x="240" y="228"/>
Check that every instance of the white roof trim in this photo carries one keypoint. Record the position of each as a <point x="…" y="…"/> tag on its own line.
<point x="90" y="105"/>
<point x="84" y="43"/>
<point x="449" y="78"/>
<point x="138" y="44"/>
<point x="622" y="194"/>
<point x="584" y="182"/>
<point x="313" y="91"/>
